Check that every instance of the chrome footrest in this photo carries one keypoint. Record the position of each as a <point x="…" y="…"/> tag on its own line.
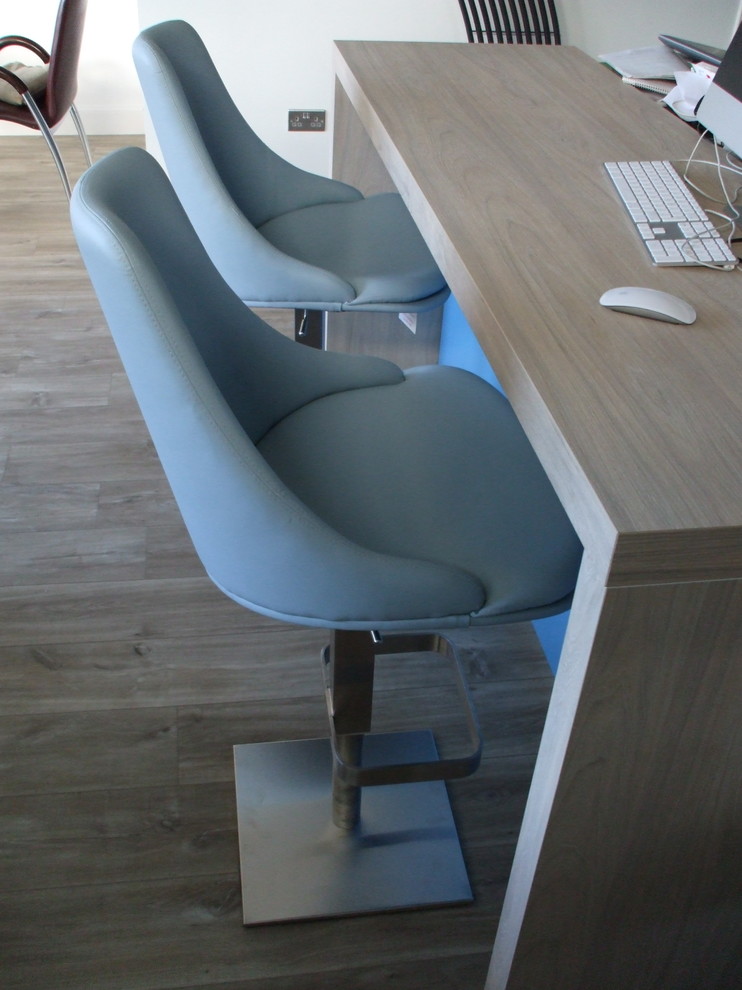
<point x="356" y="775"/>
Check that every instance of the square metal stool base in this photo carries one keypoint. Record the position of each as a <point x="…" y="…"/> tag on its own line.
<point x="296" y="864"/>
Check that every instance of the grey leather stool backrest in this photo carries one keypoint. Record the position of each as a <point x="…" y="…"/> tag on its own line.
<point x="280" y="236"/>
<point x="211" y="379"/>
<point x="275" y="451"/>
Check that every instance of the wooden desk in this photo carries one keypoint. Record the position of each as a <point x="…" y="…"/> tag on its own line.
<point x="627" y="874"/>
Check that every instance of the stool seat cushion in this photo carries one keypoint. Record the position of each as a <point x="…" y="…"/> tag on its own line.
<point x="371" y="243"/>
<point x="435" y="468"/>
<point x="321" y="488"/>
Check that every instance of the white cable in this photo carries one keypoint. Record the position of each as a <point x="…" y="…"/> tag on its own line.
<point x="728" y="200"/>
<point x="720" y="170"/>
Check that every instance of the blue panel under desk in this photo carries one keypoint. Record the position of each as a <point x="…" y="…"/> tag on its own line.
<point x="460" y="348"/>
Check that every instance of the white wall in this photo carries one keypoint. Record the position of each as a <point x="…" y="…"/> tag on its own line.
<point x="276" y="55"/>
<point x="599" y="26"/>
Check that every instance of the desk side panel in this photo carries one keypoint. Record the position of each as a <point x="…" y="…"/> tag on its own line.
<point x="627" y="872"/>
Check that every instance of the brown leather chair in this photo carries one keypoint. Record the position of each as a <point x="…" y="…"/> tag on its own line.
<point x="40" y="96"/>
<point x="511" y="22"/>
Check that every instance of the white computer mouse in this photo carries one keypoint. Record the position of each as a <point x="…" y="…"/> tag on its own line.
<point x="652" y="303"/>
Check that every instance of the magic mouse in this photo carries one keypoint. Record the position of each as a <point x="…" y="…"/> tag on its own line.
<point x="652" y="303"/>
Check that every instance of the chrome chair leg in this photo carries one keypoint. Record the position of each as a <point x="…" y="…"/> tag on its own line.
<point x="349" y="688"/>
<point x="81" y="134"/>
<point x="310" y="327"/>
<point x="48" y="137"/>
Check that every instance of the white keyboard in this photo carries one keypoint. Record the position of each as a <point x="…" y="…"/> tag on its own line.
<point x="674" y="227"/>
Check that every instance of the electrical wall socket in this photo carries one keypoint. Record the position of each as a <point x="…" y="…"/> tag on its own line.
<point x="307" y="120"/>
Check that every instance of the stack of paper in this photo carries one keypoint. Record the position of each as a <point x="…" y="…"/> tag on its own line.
<point x="651" y="68"/>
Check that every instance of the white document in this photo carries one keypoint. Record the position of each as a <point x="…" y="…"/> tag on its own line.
<point x="655" y="62"/>
<point x="684" y="98"/>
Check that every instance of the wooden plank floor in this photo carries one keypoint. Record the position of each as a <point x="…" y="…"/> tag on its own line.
<point x="126" y="678"/>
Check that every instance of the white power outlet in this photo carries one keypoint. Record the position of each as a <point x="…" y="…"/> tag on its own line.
<point x="307" y="120"/>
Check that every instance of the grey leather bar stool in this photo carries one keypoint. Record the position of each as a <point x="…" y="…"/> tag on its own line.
<point x="279" y="235"/>
<point x="329" y="490"/>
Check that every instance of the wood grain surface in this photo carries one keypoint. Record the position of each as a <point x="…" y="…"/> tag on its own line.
<point x="499" y="153"/>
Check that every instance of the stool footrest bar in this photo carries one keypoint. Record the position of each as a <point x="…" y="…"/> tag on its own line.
<point x="356" y="775"/>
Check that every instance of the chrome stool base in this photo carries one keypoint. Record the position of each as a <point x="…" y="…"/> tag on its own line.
<point x="296" y="864"/>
